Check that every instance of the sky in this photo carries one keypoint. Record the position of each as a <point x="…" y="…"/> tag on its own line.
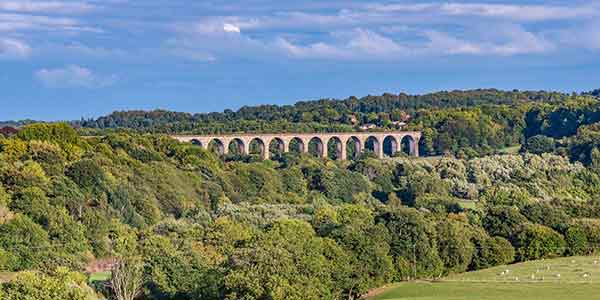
<point x="72" y="59"/>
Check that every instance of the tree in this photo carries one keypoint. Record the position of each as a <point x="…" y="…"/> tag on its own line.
<point x="177" y="270"/>
<point x="62" y="284"/>
<point x="286" y="262"/>
<point x="455" y="247"/>
<point x="548" y="215"/>
<point x="27" y="241"/>
<point x="413" y="241"/>
<point x="577" y="242"/>
<point x="538" y="241"/>
<point x="127" y="278"/>
<point x="88" y="175"/>
<point x="503" y="221"/>
<point x="490" y="251"/>
<point x="367" y="248"/>
<point x="540" y="144"/>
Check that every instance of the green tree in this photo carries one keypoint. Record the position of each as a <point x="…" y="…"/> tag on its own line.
<point x="540" y="144"/>
<point x="367" y="247"/>
<point x="577" y="242"/>
<point x="454" y="244"/>
<point x="413" y="240"/>
<point x="503" y="221"/>
<point x="491" y="251"/>
<point x="63" y="284"/>
<point x="538" y="241"/>
<point x="27" y="242"/>
<point x="286" y="262"/>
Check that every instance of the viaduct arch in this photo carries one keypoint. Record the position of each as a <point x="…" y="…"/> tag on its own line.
<point x="381" y="143"/>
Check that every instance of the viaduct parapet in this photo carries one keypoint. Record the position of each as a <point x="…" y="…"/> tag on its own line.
<point x="380" y="143"/>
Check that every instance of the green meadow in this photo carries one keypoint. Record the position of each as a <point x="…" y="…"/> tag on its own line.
<point x="557" y="279"/>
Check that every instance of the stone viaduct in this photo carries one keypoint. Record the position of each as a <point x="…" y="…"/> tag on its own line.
<point x="380" y="143"/>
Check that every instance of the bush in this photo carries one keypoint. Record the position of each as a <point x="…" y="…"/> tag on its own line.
<point x="503" y="221"/>
<point x="539" y="144"/>
<point x="63" y="285"/>
<point x="28" y="243"/>
<point x="538" y="241"/>
<point x="455" y="247"/>
<point x="412" y="236"/>
<point x="577" y="241"/>
<point x="491" y="251"/>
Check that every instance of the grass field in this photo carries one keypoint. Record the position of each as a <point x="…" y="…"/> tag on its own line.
<point x="99" y="276"/>
<point x="510" y="150"/>
<point x="576" y="278"/>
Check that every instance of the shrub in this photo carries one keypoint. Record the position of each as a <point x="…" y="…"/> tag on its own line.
<point x="539" y="144"/>
<point x="538" y="241"/>
<point x="503" y="221"/>
<point x="577" y="241"/>
<point x="491" y="251"/>
<point x="455" y="247"/>
<point x="63" y="285"/>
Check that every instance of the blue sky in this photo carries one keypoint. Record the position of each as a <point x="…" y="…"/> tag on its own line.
<point x="64" y="59"/>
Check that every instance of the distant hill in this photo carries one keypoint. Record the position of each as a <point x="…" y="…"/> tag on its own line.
<point x="319" y="115"/>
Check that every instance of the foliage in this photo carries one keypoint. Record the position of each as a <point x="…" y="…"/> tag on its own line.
<point x="539" y="144"/>
<point x="296" y="226"/>
<point x="537" y="241"/>
<point x="62" y="284"/>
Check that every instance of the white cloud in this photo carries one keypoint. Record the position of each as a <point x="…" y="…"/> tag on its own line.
<point x="502" y="11"/>
<point x="231" y="28"/>
<point x="443" y="43"/>
<point x="19" y="22"/>
<point x="386" y="31"/>
<point x="519" y="12"/>
<point x="505" y="40"/>
<point x="26" y="6"/>
<point x="316" y="50"/>
<point x="13" y="49"/>
<point x="73" y="76"/>
<point x="355" y="44"/>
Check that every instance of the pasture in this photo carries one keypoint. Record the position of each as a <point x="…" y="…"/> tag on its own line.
<point x="571" y="278"/>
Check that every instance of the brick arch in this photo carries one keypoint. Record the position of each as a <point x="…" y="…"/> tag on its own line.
<point x="339" y="148"/>
<point x="358" y="146"/>
<point x="218" y="146"/>
<point x="373" y="144"/>
<point x="390" y="145"/>
<point x="303" y="145"/>
<point x="276" y="145"/>
<point x="239" y="143"/>
<point x="319" y="146"/>
<point x="409" y="145"/>
<point x="197" y="142"/>
<point x="262" y="147"/>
